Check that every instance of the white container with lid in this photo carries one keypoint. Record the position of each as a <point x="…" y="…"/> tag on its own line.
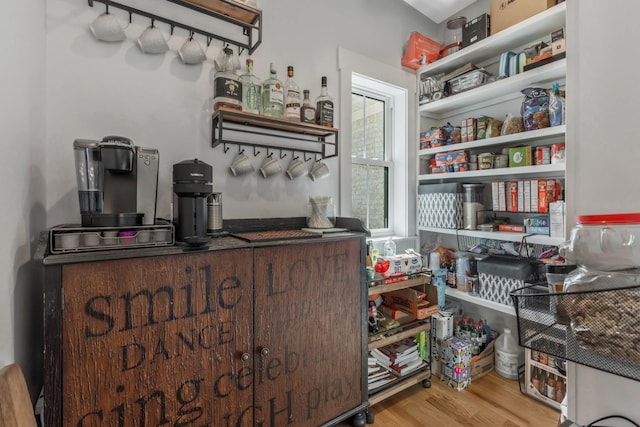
<point x="604" y="242"/>
<point x="507" y="355"/>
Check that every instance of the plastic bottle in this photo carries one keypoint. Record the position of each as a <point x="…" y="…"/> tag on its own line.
<point x="507" y="355"/>
<point x="389" y="247"/>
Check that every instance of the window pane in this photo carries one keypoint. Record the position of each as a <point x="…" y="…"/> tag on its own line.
<point x="370" y="198"/>
<point x="374" y="111"/>
<point x="357" y="125"/>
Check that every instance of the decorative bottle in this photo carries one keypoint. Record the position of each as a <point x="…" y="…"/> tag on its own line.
<point x="324" y="106"/>
<point x="307" y="111"/>
<point x="272" y="95"/>
<point x="227" y="88"/>
<point x="292" y="97"/>
<point x="251" y="90"/>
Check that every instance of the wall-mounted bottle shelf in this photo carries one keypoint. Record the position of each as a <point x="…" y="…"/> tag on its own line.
<point x="231" y="126"/>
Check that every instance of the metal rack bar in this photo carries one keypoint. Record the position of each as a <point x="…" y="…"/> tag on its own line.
<point x="247" y="28"/>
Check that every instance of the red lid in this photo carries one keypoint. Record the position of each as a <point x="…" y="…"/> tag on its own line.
<point x="616" y="218"/>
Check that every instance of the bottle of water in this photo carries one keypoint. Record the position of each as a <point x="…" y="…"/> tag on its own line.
<point x="389" y="247"/>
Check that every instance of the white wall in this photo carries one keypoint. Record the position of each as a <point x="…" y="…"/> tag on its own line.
<point x="601" y="116"/>
<point x="59" y="84"/>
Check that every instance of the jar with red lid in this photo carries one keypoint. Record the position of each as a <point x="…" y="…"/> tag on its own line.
<point x="604" y="241"/>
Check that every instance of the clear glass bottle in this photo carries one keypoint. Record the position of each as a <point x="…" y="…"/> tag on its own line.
<point x="324" y="106"/>
<point x="227" y="88"/>
<point x="307" y="111"/>
<point x="292" y="97"/>
<point x="273" y="95"/>
<point x="251" y="90"/>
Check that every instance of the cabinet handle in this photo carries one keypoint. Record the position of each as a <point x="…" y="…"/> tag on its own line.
<point x="264" y="352"/>
<point x="245" y="357"/>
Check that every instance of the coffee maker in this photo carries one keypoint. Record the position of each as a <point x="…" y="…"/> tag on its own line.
<point x="117" y="182"/>
<point x="192" y="184"/>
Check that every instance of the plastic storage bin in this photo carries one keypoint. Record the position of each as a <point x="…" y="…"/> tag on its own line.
<point x="500" y="275"/>
<point x="467" y="81"/>
<point x="473" y="202"/>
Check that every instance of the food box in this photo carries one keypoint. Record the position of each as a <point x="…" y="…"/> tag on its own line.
<point x="467" y="81"/>
<point x="458" y="375"/>
<point x="440" y="206"/>
<point x="456" y="352"/>
<point x="520" y="156"/>
<point x="483" y="363"/>
<point x="401" y="316"/>
<point x="432" y="138"/>
<point x="451" y="157"/>
<point x="537" y="230"/>
<point x="500" y="275"/>
<point x="481" y="127"/>
<point x="475" y="30"/>
<point x="397" y="270"/>
<point x="507" y="13"/>
<point x="421" y="50"/>
<point x="511" y="228"/>
<point x="413" y="302"/>
<point x="468" y="130"/>
<point x="457" y="386"/>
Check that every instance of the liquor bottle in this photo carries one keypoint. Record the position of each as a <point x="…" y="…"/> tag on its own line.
<point x="307" y="111"/>
<point x="227" y="88"/>
<point x="560" y="386"/>
<point x="535" y="378"/>
<point x="272" y="95"/>
<point x="551" y="387"/>
<point x="292" y="97"/>
<point x="324" y="106"/>
<point x="251" y="90"/>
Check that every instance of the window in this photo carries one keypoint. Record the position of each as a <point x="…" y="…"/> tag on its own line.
<point x="371" y="161"/>
<point x="377" y="176"/>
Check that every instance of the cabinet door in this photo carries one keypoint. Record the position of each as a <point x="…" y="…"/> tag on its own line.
<point x="309" y="302"/>
<point x="157" y="341"/>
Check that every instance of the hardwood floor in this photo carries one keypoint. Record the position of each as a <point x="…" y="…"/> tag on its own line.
<point x="490" y="401"/>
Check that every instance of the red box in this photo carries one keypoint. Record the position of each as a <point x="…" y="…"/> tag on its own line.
<point x="512" y="228"/>
<point x="421" y="50"/>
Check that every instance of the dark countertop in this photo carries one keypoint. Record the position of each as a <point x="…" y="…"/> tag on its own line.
<point x="225" y="242"/>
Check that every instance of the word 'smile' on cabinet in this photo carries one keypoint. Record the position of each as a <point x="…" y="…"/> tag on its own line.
<point x="266" y="336"/>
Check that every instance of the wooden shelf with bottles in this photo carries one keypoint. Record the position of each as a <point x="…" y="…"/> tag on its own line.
<point x="231" y="126"/>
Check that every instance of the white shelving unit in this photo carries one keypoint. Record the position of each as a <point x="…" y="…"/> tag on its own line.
<point x="499" y="97"/>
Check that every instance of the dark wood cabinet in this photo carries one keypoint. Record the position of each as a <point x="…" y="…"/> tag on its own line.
<point x="246" y="336"/>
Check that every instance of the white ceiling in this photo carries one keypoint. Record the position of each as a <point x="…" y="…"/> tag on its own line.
<point x="439" y="10"/>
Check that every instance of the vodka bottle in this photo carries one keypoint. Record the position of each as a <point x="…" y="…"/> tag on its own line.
<point x="272" y="95"/>
<point x="227" y="89"/>
<point x="251" y="90"/>
<point x="324" y="106"/>
<point x="307" y="111"/>
<point x="292" y="97"/>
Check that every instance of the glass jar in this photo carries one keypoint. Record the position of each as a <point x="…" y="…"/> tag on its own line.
<point x="605" y="242"/>
<point x="473" y="202"/>
<point x="453" y="35"/>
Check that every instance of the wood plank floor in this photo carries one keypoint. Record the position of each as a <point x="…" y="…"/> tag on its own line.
<point x="490" y="401"/>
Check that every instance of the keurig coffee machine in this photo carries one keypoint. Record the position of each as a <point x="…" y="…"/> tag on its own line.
<point x="192" y="184"/>
<point x="117" y="182"/>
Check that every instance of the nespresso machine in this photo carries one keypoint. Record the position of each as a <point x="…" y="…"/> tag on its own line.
<point x="117" y="182"/>
<point x="192" y="184"/>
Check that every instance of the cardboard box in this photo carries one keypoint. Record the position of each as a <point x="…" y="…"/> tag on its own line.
<point x="475" y="30"/>
<point x="458" y="375"/>
<point x="481" y="127"/>
<point x="457" y="386"/>
<point x="451" y="157"/>
<point x="433" y="138"/>
<point x="456" y="352"/>
<point x="536" y="221"/>
<point x="505" y="13"/>
<point x="401" y="316"/>
<point x="538" y="230"/>
<point x="413" y="302"/>
<point x="557" y="219"/>
<point x="520" y="156"/>
<point x="534" y="195"/>
<point x="421" y="50"/>
<point x="513" y="196"/>
<point x="483" y="363"/>
<point x="511" y="228"/>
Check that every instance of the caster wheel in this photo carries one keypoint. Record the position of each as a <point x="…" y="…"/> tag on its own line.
<point x="371" y="417"/>
<point x="358" y="420"/>
<point x="426" y="383"/>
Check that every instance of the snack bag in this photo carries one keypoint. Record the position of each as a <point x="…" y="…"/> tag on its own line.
<point x="535" y="108"/>
<point x="557" y="102"/>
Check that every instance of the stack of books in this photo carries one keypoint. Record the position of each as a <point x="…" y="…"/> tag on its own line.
<point x="378" y="375"/>
<point x="400" y="358"/>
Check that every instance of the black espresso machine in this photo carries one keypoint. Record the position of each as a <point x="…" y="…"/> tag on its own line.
<point x="117" y="182"/>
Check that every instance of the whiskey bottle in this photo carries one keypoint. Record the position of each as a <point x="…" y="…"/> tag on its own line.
<point x="272" y="95"/>
<point x="292" y="97"/>
<point x="227" y="88"/>
<point x="307" y="111"/>
<point x="324" y="106"/>
<point x="251" y="90"/>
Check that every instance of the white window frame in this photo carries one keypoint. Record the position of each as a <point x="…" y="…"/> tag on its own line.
<point x="361" y="85"/>
<point x="404" y="190"/>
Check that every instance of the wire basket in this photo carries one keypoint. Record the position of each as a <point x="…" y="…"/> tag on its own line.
<point x="596" y="328"/>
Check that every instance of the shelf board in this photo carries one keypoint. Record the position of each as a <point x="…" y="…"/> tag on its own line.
<point x="537" y="239"/>
<point x="398" y="385"/>
<point x="406" y="331"/>
<point x="464" y="296"/>
<point x="527" y="31"/>
<point x="422" y="279"/>
<point x="259" y="120"/>
<point x="556" y="132"/>
<point x="539" y="171"/>
<point x="487" y="94"/>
